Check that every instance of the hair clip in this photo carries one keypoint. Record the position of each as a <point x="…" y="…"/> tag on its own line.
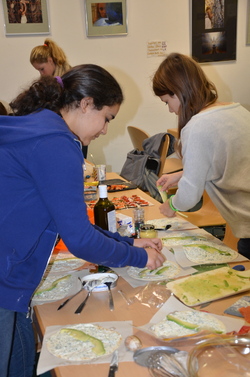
<point x="59" y="80"/>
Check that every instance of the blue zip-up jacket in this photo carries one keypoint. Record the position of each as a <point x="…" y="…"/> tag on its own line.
<point x="41" y="195"/>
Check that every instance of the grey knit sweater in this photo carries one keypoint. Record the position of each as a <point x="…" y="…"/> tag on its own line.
<point x="216" y="157"/>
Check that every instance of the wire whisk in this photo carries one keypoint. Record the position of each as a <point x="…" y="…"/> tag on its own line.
<point x="167" y="365"/>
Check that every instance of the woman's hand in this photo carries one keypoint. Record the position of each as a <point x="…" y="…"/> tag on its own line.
<point x="169" y="180"/>
<point x="166" y="210"/>
<point x="155" y="243"/>
<point x="153" y="247"/>
<point x="155" y="259"/>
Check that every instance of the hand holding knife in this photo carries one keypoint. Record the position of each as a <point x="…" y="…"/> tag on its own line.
<point x="114" y="364"/>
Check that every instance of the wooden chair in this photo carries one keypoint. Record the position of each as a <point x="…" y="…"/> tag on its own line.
<point x="172" y="165"/>
<point x="173" y="131"/>
<point x="163" y="153"/>
<point x="208" y="215"/>
<point x="168" y="164"/>
<point x="137" y="136"/>
<point x="229" y="239"/>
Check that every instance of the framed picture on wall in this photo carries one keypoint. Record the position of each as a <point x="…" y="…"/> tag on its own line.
<point x="214" y="30"/>
<point x="106" y="19"/>
<point x="25" y="17"/>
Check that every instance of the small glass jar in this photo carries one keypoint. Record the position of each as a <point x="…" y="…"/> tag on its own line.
<point x="148" y="231"/>
<point x="138" y="218"/>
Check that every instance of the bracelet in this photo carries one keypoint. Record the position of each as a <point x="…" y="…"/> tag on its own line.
<point x="171" y="204"/>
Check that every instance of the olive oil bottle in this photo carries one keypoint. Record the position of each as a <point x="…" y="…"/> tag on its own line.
<point x="104" y="211"/>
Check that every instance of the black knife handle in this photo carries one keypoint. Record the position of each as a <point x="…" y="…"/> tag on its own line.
<point x="63" y="304"/>
<point x="81" y="306"/>
<point x="112" y="371"/>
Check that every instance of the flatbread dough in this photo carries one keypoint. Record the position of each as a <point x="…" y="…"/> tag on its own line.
<point x="54" y="287"/>
<point x="209" y="252"/>
<point x="167" y="271"/>
<point x="64" y="263"/>
<point x="200" y="321"/>
<point x="65" y="346"/>
<point x="181" y="238"/>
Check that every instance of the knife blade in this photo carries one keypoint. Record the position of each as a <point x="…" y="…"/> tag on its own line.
<point x="114" y="364"/>
<point x="179" y="229"/>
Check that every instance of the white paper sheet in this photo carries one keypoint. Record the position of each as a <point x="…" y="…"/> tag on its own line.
<point x="172" y="304"/>
<point x="140" y="283"/>
<point x="47" y="361"/>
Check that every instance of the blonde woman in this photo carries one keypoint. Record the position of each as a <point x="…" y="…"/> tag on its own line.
<point x="49" y="59"/>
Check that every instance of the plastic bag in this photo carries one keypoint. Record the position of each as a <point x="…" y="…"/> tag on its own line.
<point x="154" y="294"/>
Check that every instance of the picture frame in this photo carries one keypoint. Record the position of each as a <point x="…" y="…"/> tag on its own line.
<point x="214" y="30"/>
<point x="25" y="17"/>
<point x="106" y="19"/>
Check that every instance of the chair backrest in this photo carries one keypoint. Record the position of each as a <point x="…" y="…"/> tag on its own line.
<point x="207" y="215"/>
<point x="163" y="153"/>
<point x="168" y="165"/>
<point x="137" y="136"/>
<point x="172" y="165"/>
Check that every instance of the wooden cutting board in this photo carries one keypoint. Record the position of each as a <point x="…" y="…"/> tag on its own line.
<point x="210" y="286"/>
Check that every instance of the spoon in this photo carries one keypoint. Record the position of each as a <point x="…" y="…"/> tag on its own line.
<point x="111" y="301"/>
<point x="90" y="286"/>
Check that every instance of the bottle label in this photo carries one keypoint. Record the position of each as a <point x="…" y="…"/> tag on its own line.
<point x="111" y="221"/>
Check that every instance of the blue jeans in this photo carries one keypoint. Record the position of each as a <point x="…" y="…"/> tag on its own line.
<point x="17" y="344"/>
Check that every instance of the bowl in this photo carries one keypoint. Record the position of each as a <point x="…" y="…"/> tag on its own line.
<point x="106" y="276"/>
<point x="221" y="356"/>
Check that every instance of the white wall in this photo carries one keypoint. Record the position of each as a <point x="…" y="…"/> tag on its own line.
<point x="126" y="58"/>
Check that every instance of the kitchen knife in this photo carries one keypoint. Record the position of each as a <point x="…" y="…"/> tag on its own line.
<point x="114" y="364"/>
<point x="165" y="228"/>
<point x="68" y="299"/>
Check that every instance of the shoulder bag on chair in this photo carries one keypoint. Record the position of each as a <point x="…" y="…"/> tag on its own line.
<point x="134" y="167"/>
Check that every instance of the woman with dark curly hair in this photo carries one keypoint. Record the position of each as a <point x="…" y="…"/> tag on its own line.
<point x="41" y="195"/>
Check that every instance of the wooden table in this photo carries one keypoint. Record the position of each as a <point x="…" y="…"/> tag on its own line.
<point x="97" y="311"/>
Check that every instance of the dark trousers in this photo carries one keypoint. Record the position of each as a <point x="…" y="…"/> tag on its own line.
<point x="244" y="247"/>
